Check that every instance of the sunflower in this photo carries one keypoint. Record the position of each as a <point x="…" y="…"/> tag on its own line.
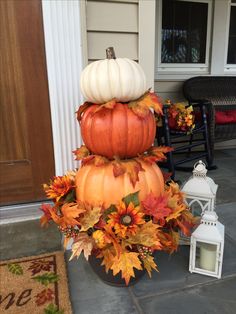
<point x="59" y="187"/>
<point x="126" y="219"/>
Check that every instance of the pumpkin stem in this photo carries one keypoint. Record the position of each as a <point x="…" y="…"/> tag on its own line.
<point x="110" y="52"/>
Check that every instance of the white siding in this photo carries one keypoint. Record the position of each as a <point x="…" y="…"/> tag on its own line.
<point x="126" y="25"/>
<point x="112" y="24"/>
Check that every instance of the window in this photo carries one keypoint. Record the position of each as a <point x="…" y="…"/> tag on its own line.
<point x="231" y="57"/>
<point x="184" y="32"/>
<point x="195" y="37"/>
<point x="183" y="36"/>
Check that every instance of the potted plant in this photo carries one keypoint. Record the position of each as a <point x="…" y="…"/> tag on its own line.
<point x="124" y="236"/>
<point x="116" y="207"/>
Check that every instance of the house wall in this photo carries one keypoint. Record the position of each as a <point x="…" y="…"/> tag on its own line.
<point x="130" y="26"/>
<point x="124" y="25"/>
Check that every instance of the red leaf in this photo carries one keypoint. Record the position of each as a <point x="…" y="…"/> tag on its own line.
<point x="156" y="206"/>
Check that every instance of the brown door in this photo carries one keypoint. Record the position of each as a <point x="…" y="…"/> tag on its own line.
<point x="26" y="151"/>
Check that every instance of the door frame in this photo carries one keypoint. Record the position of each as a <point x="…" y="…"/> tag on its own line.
<point x="64" y="26"/>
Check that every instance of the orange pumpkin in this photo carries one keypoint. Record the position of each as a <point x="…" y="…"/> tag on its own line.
<point x="117" y="132"/>
<point x="97" y="185"/>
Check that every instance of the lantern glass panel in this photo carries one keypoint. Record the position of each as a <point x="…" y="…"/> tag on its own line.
<point x="206" y="256"/>
<point x="197" y="206"/>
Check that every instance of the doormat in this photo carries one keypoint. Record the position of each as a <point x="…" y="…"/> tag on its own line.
<point x="35" y="284"/>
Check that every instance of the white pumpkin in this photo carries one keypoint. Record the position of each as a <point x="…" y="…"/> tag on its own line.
<point x="119" y="78"/>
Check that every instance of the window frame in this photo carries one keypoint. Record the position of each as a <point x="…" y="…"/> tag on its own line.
<point x="181" y="70"/>
<point x="229" y="68"/>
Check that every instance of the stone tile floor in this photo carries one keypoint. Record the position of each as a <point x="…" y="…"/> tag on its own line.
<point x="171" y="291"/>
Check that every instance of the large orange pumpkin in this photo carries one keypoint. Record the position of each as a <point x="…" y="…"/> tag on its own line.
<point x="117" y="132"/>
<point x="97" y="185"/>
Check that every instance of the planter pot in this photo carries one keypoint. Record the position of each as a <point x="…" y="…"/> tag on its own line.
<point x="109" y="278"/>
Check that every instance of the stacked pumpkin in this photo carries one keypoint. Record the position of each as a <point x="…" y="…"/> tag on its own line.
<point x="118" y="129"/>
<point x="122" y="212"/>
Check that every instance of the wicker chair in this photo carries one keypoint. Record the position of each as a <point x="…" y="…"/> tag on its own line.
<point x="219" y="94"/>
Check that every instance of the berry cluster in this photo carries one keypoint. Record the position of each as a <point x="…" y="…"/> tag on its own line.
<point x="144" y="251"/>
<point x="69" y="232"/>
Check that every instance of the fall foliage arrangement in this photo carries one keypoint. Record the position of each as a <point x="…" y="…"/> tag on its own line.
<point x="181" y="116"/>
<point x="116" y="206"/>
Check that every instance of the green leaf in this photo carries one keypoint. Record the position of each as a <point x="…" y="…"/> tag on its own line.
<point x="52" y="309"/>
<point x="15" y="269"/>
<point x="70" y="197"/>
<point x="133" y="197"/>
<point x="47" y="278"/>
<point x="108" y="211"/>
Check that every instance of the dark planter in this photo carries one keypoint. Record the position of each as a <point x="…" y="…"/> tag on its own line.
<point x="109" y="278"/>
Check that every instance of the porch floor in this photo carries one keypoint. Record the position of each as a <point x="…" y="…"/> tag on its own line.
<point x="172" y="290"/>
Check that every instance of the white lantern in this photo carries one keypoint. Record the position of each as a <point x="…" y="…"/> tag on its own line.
<point x="207" y="246"/>
<point x="200" y="190"/>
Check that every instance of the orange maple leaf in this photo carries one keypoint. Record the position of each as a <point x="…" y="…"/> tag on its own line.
<point x="131" y="167"/>
<point x="108" y="257"/>
<point x="70" y="211"/>
<point x="146" y="235"/>
<point x="142" y="105"/>
<point x="126" y="263"/>
<point x="82" y="243"/>
<point x="108" y="105"/>
<point x="81" y="152"/>
<point x="149" y="264"/>
<point x="156" y="153"/>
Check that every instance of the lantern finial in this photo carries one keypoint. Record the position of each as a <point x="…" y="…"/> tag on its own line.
<point x="199" y="169"/>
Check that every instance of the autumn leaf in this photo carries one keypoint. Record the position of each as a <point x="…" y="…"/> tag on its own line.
<point x="108" y="255"/>
<point x="156" y="206"/>
<point x="70" y="211"/>
<point x="90" y="218"/>
<point x="131" y="167"/>
<point x="175" y="240"/>
<point x="146" y="236"/>
<point x="149" y="264"/>
<point x="99" y="160"/>
<point x="81" y="110"/>
<point x="112" y="238"/>
<point x="81" y="152"/>
<point x="176" y="212"/>
<point x="108" y="105"/>
<point x="82" y="243"/>
<point x="156" y="153"/>
<point x="46" y="209"/>
<point x="142" y="105"/>
<point x="126" y="263"/>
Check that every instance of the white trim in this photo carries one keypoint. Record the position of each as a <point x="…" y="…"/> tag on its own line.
<point x="61" y="21"/>
<point x="146" y="51"/>
<point x="19" y="213"/>
<point x="229" y="68"/>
